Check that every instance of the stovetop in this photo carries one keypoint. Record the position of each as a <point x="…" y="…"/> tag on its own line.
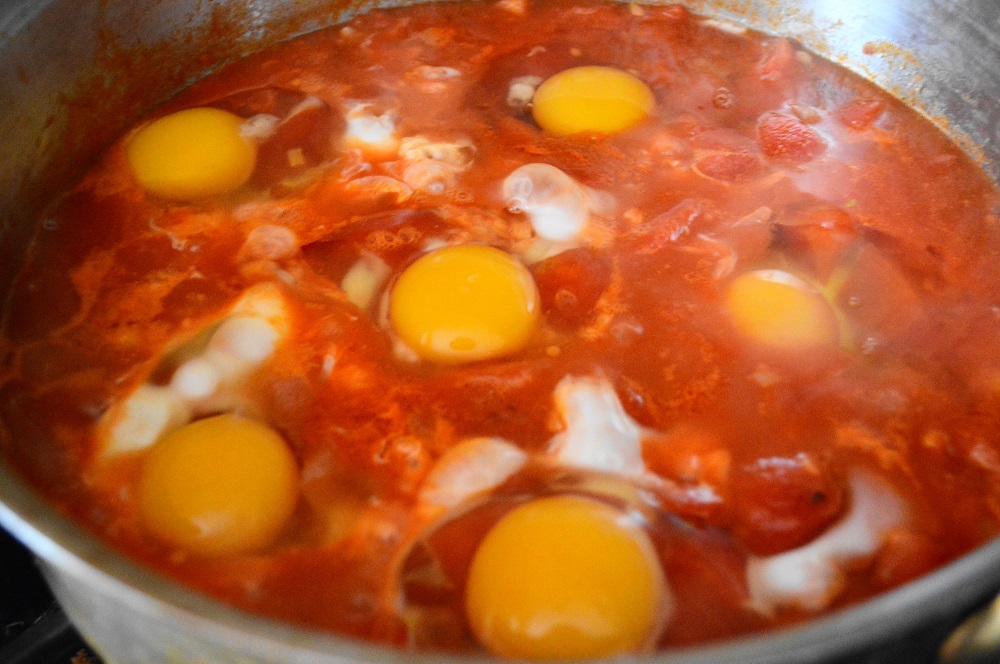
<point x="34" y="628"/>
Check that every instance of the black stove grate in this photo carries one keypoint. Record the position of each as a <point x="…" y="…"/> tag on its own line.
<point x="34" y="628"/>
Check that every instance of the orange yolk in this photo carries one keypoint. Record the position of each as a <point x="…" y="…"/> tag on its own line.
<point x="565" y="578"/>
<point x="219" y="486"/>
<point x="777" y="308"/>
<point x="598" y="99"/>
<point x="191" y="154"/>
<point x="464" y="303"/>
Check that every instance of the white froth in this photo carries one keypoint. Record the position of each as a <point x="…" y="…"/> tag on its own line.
<point x="370" y="132"/>
<point x="214" y="380"/>
<point x="472" y="467"/>
<point x="195" y="379"/>
<point x="522" y="90"/>
<point x="558" y="206"/>
<point x="810" y="576"/>
<point x="599" y="435"/>
<point x="144" y="418"/>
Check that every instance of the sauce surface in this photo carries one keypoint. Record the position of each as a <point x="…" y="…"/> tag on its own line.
<point x="756" y="312"/>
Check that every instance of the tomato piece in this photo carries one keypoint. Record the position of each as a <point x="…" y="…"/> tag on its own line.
<point x="729" y="166"/>
<point x="820" y="237"/>
<point x="570" y="284"/>
<point x="860" y="113"/>
<point x="784" y="502"/>
<point x="301" y="137"/>
<point x="667" y="228"/>
<point x="690" y="454"/>
<point x="785" y="138"/>
<point x="777" y="62"/>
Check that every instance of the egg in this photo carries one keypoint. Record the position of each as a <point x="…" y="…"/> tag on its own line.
<point x="565" y="578"/>
<point x="192" y="154"/>
<point x="591" y="98"/>
<point x="779" y="309"/>
<point x="464" y="303"/>
<point x="224" y="485"/>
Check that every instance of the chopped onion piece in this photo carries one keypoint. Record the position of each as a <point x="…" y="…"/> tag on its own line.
<point x="296" y="157"/>
<point x="363" y="281"/>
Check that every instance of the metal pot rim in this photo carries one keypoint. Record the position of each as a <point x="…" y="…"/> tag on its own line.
<point x="66" y="546"/>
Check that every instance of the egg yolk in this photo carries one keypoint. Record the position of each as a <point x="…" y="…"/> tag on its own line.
<point x="464" y="303"/>
<point x="564" y="578"/>
<point x="779" y="309"/>
<point x="598" y="99"/>
<point x="219" y="486"/>
<point x="192" y="154"/>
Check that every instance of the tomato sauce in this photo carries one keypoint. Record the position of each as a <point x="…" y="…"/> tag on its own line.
<point x="757" y="156"/>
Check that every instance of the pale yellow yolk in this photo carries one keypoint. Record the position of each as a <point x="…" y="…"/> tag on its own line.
<point x="779" y="309"/>
<point x="565" y="578"/>
<point x="192" y="154"/>
<point x="218" y="486"/>
<point x="598" y="99"/>
<point x="464" y="303"/>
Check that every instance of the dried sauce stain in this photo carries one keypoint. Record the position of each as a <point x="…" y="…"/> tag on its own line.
<point x="892" y="51"/>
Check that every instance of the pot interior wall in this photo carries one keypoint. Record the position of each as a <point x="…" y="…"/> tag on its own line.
<point x="80" y="71"/>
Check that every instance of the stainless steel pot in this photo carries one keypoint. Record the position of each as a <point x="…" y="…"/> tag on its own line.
<point x="76" y="72"/>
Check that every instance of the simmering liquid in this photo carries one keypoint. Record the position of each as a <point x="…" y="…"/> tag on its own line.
<point x="554" y="330"/>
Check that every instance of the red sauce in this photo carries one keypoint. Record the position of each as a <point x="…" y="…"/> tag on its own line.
<point x="757" y="155"/>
